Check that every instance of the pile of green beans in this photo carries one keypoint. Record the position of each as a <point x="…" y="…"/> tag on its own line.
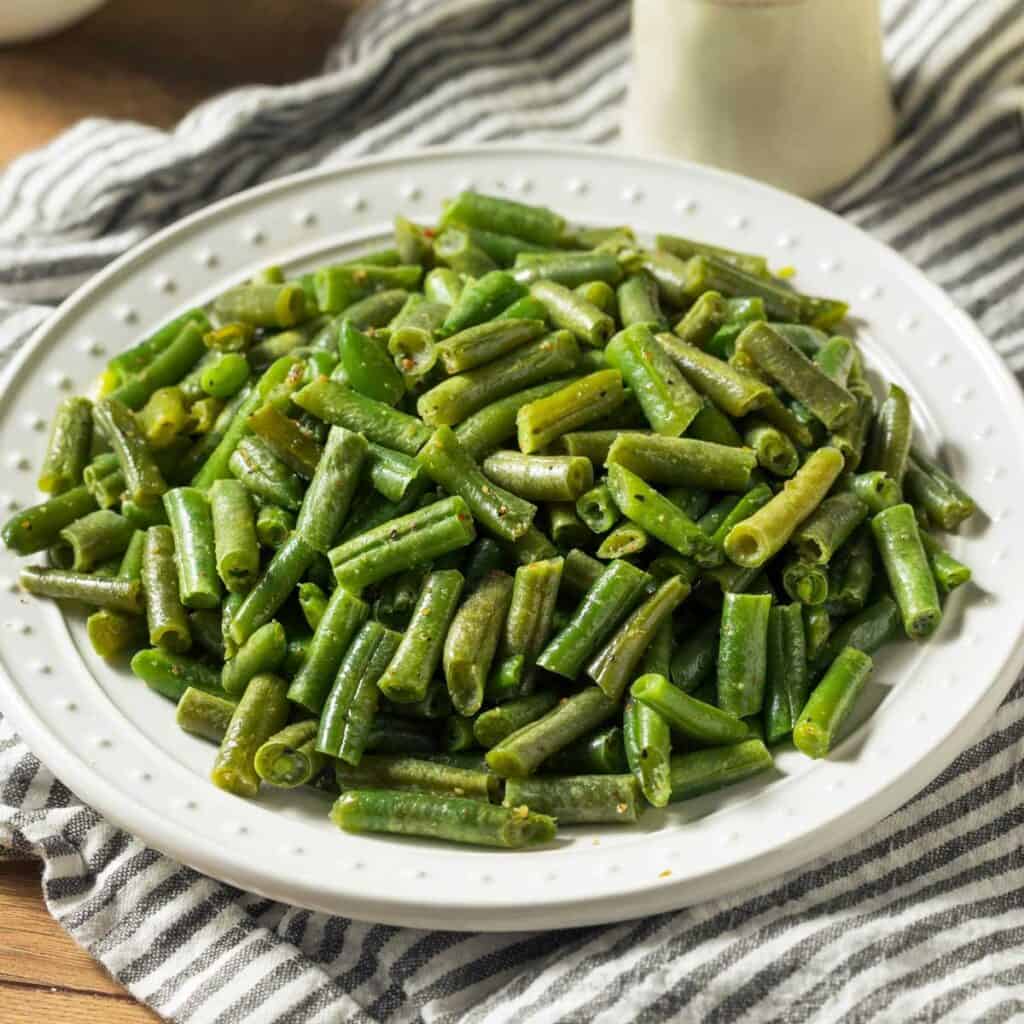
<point x="506" y="526"/>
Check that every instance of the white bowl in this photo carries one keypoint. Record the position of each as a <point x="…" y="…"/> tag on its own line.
<point x="21" y="20"/>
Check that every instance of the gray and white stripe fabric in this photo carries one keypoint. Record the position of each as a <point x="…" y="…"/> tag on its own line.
<point x="921" y="919"/>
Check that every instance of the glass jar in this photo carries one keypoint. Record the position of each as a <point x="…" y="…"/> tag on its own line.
<point x="792" y="92"/>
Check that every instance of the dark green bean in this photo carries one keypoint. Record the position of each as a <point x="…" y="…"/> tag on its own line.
<point x="806" y="582"/>
<point x="368" y="366"/>
<point x="788" y="677"/>
<point x="472" y="641"/>
<point x="273" y="588"/>
<point x="614" y="666"/>
<point x="361" y="719"/>
<point x="704" y="771"/>
<point x="167" y="367"/>
<point x="579" y="799"/>
<point x="67" y="451"/>
<point x="868" y="631"/>
<point x="172" y="674"/>
<point x="944" y="501"/>
<point x="168" y="622"/>
<point x="191" y="521"/>
<point x="506" y="217"/>
<point x="274" y="525"/>
<point x="687" y="715"/>
<point x="401" y="543"/>
<point x="455" y="819"/>
<point x="287" y="759"/>
<point x="480" y="301"/>
<point x="204" y="714"/>
<point x="143" y="479"/>
<point x="831" y="702"/>
<point x="234" y="531"/>
<point x="123" y="595"/>
<point x="891" y="435"/>
<point x="327" y="502"/>
<point x="683" y="461"/>
<point x="265" y="475"/>
<point x="486" y="430"/>
<point x="851" y="573"/>
<point x="95" y="538"/>
<point x="948" y="571"/>
<point x="410" y="671"/>
<point x="38" y="527"/>
<point x="457" y="398"/>
<point x="742" y="653"/>
<point x="908" y="570"/>
<point x="523" y="751"/>
<point x="483" y="343"/>
<point x="604" y="607"/>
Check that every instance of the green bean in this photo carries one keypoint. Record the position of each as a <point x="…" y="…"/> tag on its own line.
<point x="100" y="592"/>
<point x="571" y="312"/>
<point x="687" y="715"/>
<point x="489" y="427"/>
<point x="287" y="759"/>
<point x="578" y="799"/>
<point x="401" y="543"/>
<point x="526" y="308"/>
<point x="408" y="675"/>
<point x="376" y="421"/>
<point x="502" y="248"/>
<point x="339" y="287"/>
<point x="236" y="546"/>
<point x="262" y="712"/>
<point x="443" y="285"/>
<point x="273" y="588"/>
<point x="274" y="525"/>
<point x="667" y="399"/>
<point x="107" y="490"/>
<point x="638" y="302"/>
<point x="483" y="343"/>
<point x="263" y="651"/>
<point x="168" y="622"/>
<point x="457" y="398"/>
<point x="818" y="628"/>
<point x="683" y="461"/>
<point x="188" y="512"/>
<point x="363" y="728"/>
<point x="755" y="540"/>
<point x="355" y="663"/>
<point x="876" y="489"/>
<point x="313" y="602"/>
<point x="144" y="481"/>
<point x="343" y="616"/>
<point x="224" y="378"/>
<point x="484" y="556"/>
<point x="742" y="653"/>
<point x="205" y="626"/>
<point x="410" y="774"/>
<point x="204" y="714"/>
<point x="67" y="451"/>
<point x="686" y="248"/>
<point x="704" y="771"/>
<point x="505" y="217"/>
<point x="528" y="627"/>
<point x="392" y="473"/>
<point x="533" y="546"/>
<point x="263" y="305"/>
<point x="650" y="510"/>
<point x="452" y="818"/>
<point x="412" y="338"/>
<point x="93" y="539"/>
<point x="867" y="631"/>
<point x="292" y="443"/>
<point x="599" y="294"/>
<point x="134" y="360"/>
<point x="946" y="503"/>
<point x="567" y="269"/>
<point x="625" y="540"/>
<point x="851" y="573"/>
<point x="648" y="744"/>
<point x="604" y="607"/>
<point x="232" y="602"/>
<point x="457" y="734"/>
<point x="388" y="734"/>
<point x="207" y="460"/>
<point x="472" y="641"/>
<point x="412" y="243"/>
<point x="230" y="337"/>
<point x="544" y="420"/>
<point x="166" y="418"/>
<point x="851" y="438"/>
<point x="831" y="702"/>
<point x="540" y="477"/>
<point x="255" y="465"/>
<point x="166" y="368"/>
<point x="948" y="571"/>
<point x="703" y="321"/>
<point x="376" y="310"/>
<point x="907" y="568"/>
<point x="172" y="674"/>
<point x="804" y="379"/>
<point x="368" y="367"/>
<point x="448" y="464"/>
<point x="806" y="582"/>
<point x="889" y="447"/>
<point x="327" y="502"/>
<point x="456" y="249"/>
<point x="480" y="301"/>
<point x="712" y="425"/>
<point x="601" y="753"/>
<point x="523" y="751"/>
<point x="829" y="527"/>
<point x="735" y="392"/>
<point x="613" y="667"/>
<point x="706" y="272"/>
<point x="493" y="726"/>
<point x="774" y="450"/>
<point x="788" y="676"/>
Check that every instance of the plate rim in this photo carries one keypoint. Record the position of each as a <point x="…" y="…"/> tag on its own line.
<point x="101" y="794"/>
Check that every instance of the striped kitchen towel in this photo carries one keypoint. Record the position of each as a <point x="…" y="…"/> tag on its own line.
<point x="921" y="919"/>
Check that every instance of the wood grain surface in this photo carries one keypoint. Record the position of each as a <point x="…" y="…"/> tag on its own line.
<point x="150" y="63"/>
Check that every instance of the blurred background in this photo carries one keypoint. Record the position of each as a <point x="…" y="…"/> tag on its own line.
<point x="152" y="62"/>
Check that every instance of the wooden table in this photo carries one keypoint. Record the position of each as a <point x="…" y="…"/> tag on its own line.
<point x="151" y="63"/>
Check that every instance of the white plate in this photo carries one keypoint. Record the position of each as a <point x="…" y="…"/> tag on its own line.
<point x="116" y="745"/>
